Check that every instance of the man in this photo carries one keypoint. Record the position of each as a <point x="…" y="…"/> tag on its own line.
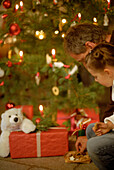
<point x="79" y="41"/>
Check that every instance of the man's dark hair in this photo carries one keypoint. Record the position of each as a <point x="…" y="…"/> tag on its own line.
<point x="78" y="35"/>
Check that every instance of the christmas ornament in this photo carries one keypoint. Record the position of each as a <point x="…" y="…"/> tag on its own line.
<point x="71" y="72"/>
<point x="63" y="9"/>
<point x="1" y="72"/>
<point x="6" y="4"/>
<point x="4" y="16"/>
<point x="73" y="23"/>
<point x="106" y="20"/>
<point x="55" y="2"/>
<point x="9" y="105"/>
<point x="48" y="59"/>
<point x="35" y="3"/>
<point x="60" y="26"/>
<point x="14" y="29"/>
<point x="60" y="64"/>
<point x="37" y="78"/>
<point x="38" y="120"/>
<point x="10" y="40"/>
<point x="45" y="14"/>
<point x="55" y="90"/>
<point x="38" y="2"/>
<point x="9" y="64"/>
<point x="2" y="83"/>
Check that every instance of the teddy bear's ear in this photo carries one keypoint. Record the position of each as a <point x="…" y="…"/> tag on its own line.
<point x="20" y="110"/>
<point x="3" y="114"/>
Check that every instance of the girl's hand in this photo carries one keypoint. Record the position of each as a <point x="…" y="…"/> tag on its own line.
<point x="102" y="128"/>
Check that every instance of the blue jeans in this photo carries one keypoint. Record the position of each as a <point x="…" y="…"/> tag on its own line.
<point x="101" y="148"/>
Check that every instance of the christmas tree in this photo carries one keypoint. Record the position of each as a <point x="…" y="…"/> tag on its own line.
<point x="36" y="69"/>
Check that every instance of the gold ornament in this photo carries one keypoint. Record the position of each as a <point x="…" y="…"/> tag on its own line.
<point x="55" y="90"/>
<point x="60" y="26"/>
<point x="9" y="54"/>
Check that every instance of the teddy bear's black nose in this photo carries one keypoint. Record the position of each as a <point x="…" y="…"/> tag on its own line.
<point x="15" y="119"/>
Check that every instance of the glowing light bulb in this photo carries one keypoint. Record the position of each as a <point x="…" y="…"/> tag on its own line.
<point x="21" y="5"/>
<point x="79" y="16"/>
<point x="21" y="54"/>
<point x="95" y="21"/>
<point x="63" y="35"/>
<point x="41" y="37"/>
<point x="41" y="109"/>
<point x="64" y="21"/>
<point x="56" y="32"/>
<point x="53" y="52"/>
<point x="108" y="3"/>
<point x="16" y="7"/>
<point x="37" y="32"/>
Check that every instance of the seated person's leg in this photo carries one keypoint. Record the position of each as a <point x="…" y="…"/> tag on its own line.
<point x="101" y="151"/>
<point x="89" y="132"/>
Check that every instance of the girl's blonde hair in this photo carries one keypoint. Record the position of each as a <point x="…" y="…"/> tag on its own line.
<point x="100" y="56"/>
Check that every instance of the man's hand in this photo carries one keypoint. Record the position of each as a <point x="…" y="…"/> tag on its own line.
<point x="81" y="144"/>
<point x="102" y="128"/>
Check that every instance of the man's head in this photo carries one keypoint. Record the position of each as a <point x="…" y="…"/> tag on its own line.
<point x="80" y="39"/>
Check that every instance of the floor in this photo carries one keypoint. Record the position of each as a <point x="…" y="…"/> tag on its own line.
<point x="44" y="163"/>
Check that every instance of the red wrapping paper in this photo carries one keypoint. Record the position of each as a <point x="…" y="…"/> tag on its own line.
<point x="53" y="142"/>
<point x="27" y="109"/>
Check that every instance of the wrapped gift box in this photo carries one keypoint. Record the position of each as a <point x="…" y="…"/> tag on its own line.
<point x="53" y="142"/>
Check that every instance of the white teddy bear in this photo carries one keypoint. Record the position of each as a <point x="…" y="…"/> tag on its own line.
<point x="13" y="120"/>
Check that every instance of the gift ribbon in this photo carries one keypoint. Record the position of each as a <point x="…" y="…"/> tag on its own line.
<point x="38" y="139"/>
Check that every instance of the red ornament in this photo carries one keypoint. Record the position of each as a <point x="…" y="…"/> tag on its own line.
<point x="2" y="83"/>
<point x="38" y="120"/>
<point x="6" y="4"/>
<point x="4" y="16"/>
<point x="68" y="76"/>
<point x="9" y="105"/>
<point x="14" y="29"/>
<point x="50" y="65"/>
<point x="55" y="2"/>
<point x="9" y="64"/>
<point x="84" y="126"/>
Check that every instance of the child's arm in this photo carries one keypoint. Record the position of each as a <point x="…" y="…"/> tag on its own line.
<point x="110" y="119"/>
